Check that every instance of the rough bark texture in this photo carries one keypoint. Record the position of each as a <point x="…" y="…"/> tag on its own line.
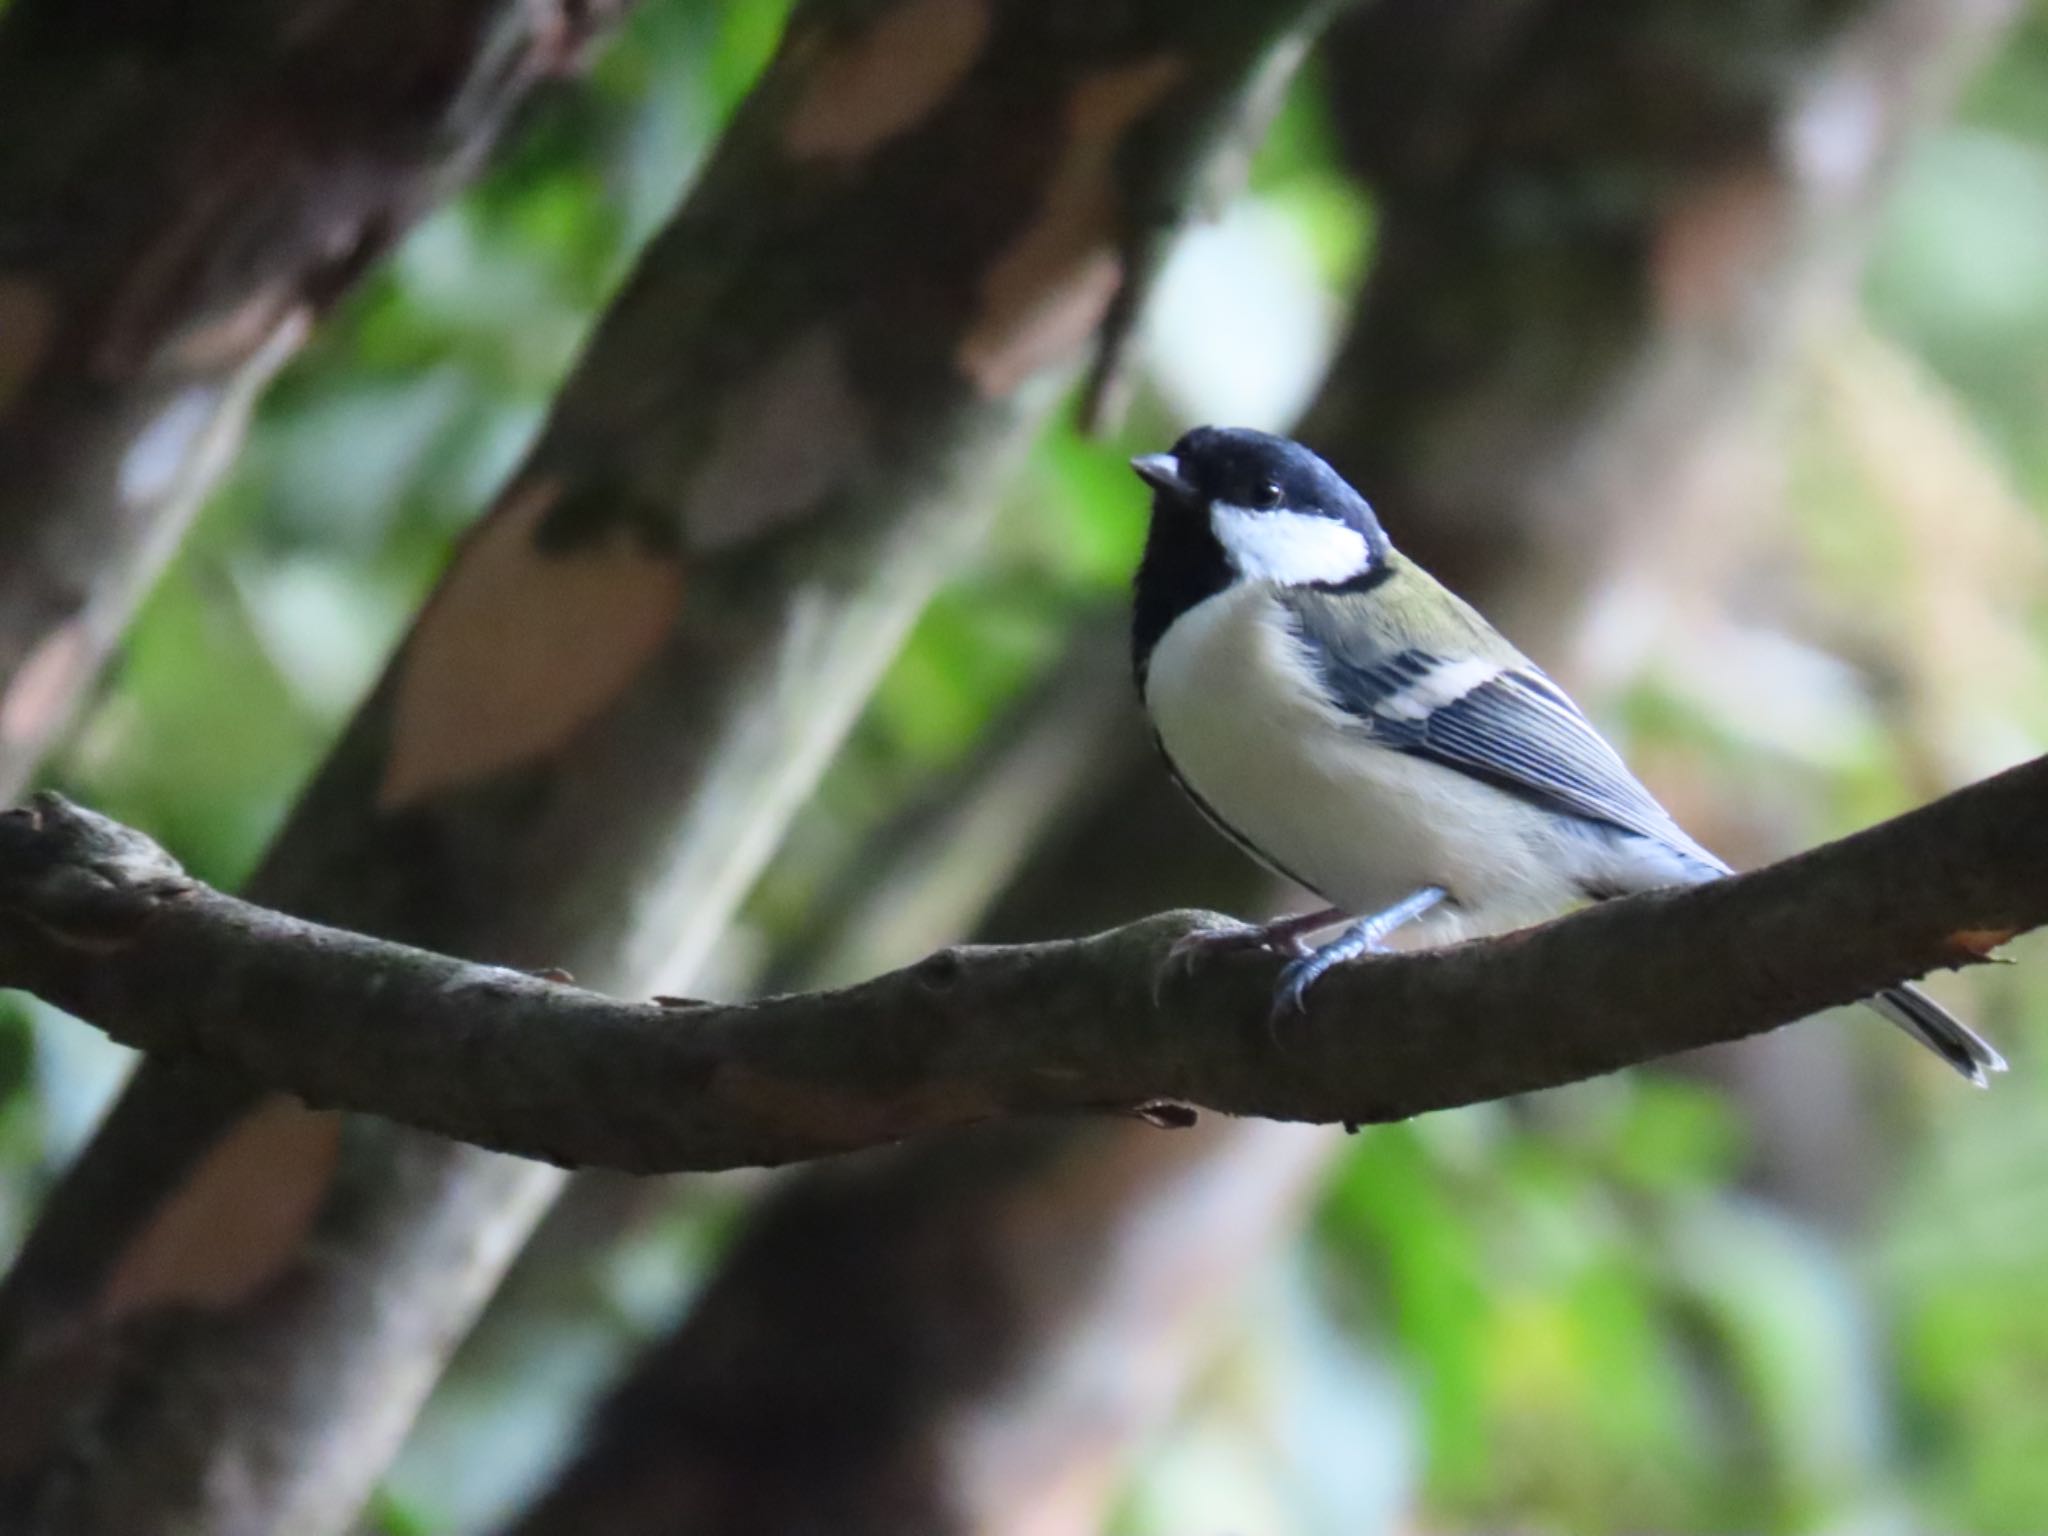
<point x="185" y="188"/>
<point x="1595" y="237"/>
<point x="101" y="922"/>
<point x="629" y="677"/>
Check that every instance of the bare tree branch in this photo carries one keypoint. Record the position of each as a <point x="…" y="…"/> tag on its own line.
<point x="101" y="922"/>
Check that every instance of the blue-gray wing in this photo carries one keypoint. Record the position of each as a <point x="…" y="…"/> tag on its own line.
<point x="1505" y="723"/>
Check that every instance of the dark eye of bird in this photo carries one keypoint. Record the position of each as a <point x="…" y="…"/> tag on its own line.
<point x="1266" y="497"/>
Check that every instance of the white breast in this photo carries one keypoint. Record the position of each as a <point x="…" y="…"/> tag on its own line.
<point x="1252" y="732"/>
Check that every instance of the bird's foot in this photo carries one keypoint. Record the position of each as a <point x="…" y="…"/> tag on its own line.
<point x="1290" y="996"/>
<point x="1367" y="936"/>
<point x="1289" y="935"/>
<point x="1286" y="934"/>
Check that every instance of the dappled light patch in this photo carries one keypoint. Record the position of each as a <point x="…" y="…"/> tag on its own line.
<point x="28" y="322"/>
<point x="1710" y="244"/>
<point x="1044" y="297"/>
<point x="785" y="441"/>
<point x="522" y="647"/>
<point x="1975" y="944"/>
<point x="163" y="452"/>
<point x="35" y="700"/>
<point x="219" y="342"/>
<point x="885" y="82"/>
<point x="237" y="1219"/>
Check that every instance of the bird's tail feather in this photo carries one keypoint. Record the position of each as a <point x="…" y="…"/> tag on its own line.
<point x="1940" y="1031"/>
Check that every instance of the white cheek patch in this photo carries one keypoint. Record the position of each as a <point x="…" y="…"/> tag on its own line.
<point x="1443" y="684"/>
<point x="1291" y="548"/>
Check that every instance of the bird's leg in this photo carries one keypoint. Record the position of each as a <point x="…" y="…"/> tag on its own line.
<point x="1369" y="934"/>
<point x="1287" y="934"/>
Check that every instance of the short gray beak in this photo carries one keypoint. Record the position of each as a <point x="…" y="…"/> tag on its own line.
<point x="1161" y="471"/>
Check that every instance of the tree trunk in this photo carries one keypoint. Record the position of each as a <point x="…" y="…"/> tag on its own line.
<point x="185" y="190"/>
<point x="626" y="682"/>
<point x="1600" y="228"/>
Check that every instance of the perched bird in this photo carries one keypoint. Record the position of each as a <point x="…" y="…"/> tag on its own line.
<point x="1362" y="731"/>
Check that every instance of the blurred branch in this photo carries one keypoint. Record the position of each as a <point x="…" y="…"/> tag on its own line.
<point x="1972" y="561"/>
<point x="1603" y="226"/>
<point x="629" y="679"/>
<point x="104" y="924"/>
<point x="185" y="189"/>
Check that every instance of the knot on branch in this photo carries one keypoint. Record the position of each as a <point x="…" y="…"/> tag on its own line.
<point x="85" y="879"/>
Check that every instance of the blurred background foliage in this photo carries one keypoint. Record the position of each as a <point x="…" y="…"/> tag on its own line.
<point x="1809" y="1294"/>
